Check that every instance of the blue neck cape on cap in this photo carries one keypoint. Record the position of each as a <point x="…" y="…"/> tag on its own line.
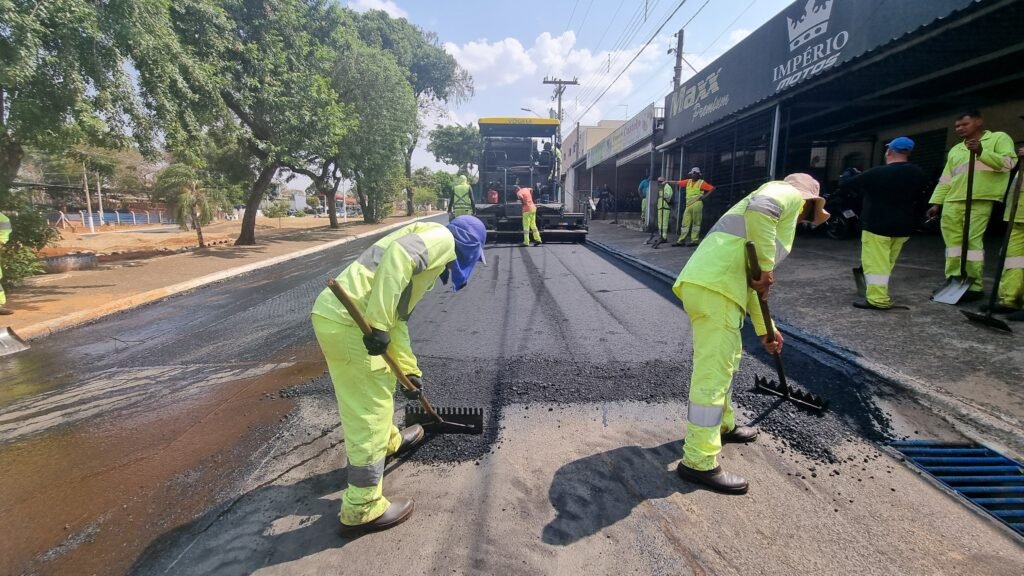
<point x="470" y="237"/>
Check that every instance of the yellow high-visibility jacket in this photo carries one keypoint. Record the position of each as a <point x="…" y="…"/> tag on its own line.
<point x="389" y="279"/>
<point x="462" y="195"/>
<point x="767" y="217"/>
<point x="991" y="170"/>
<point x="5" y="228"/>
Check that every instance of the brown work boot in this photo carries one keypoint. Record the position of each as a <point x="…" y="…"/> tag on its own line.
<point x="716" y="479"/>
<point x="740" y="435"/>
<point x="4" y="311"/>
<point x="399" y="511"/>
<point x="411" y="437"/>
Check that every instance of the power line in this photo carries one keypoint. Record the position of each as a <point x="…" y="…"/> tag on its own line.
<point x="726" y="29"/>
<point x="639" y="52"/>
<point x="627" y="35"/>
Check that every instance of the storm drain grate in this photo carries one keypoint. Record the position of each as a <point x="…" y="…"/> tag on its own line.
<point x="985" y="478"/>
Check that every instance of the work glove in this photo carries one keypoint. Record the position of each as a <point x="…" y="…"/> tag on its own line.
<point x="413" y="394"/>
<point x="377" y="342"/>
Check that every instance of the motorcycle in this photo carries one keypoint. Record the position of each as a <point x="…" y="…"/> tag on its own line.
<point x="843" y="206"/>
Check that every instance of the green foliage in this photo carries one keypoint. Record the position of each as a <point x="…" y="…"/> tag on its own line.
<point x="313" y="202"/>
<point x="29" y="232"/>
<point x="277" y="210"/>
<point x="19" y="262"/>
<point x="180" y="185"/>
<point x="456" y="145"/>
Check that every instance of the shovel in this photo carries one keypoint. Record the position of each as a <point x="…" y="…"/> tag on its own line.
<point x="443" y="421"/>
<point x="987" y="318"/>
<point x="860" y="281"/>
<point x="11" y="343"/>
<point x="955" y="288"/>
<point x="780" y="388"/>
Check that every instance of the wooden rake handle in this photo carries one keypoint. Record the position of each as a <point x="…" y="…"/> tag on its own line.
<point x="755" y="274"/>
<point x="364" y="326"/>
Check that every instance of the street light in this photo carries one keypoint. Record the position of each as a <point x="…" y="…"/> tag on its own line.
<point x="531" y="112"/>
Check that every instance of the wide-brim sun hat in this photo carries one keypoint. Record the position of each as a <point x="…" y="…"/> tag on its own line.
<point x="810" y="190"/>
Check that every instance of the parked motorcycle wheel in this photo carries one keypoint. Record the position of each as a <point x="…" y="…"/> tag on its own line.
<point x="838" y="228"/>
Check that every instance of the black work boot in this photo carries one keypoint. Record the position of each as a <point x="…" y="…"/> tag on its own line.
<point x="411" y="437"/>
<point x="740" y="435"/>
<point x="716" y="479"/>
<point x="399" y="511"/>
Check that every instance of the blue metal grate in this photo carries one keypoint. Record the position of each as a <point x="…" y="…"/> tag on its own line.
<point x="989" y="480"/>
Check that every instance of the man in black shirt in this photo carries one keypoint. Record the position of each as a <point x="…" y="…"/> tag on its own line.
<point x="890" y="194"/>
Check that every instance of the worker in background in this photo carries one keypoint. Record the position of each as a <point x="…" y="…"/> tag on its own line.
<point x="716" y="292"/>
<point x="664" y="192"/>
<point x="492" y="193"/>
<point x="546" y="161"/>
<point x="5" y="235"/>
<point x="1011" y="286"/>
<point x="889" y="199"/>
<point x="462" y="199"/>
<point x="386" y="282"/>
<point x="557" y="166"/>
<point x="697" y="190"/>
<point x="525" y="196"/>
<point x="995" y="158"/>
<point x="642" y="189"/>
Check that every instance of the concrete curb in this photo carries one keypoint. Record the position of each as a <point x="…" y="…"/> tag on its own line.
<point x="49" y="327"/>
<point x="982" y="425"/>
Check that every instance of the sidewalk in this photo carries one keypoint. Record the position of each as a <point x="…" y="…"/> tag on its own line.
<point x="53" y="302"/>
<point x="968" y="374"/>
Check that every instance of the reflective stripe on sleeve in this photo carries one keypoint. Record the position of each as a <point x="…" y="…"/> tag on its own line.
<point x="877" y="279"/>
<point x="706" y="416"/>
<point x="5" y="225"/>
<point x="365" y="476"/>
<point x="765" y="205"/>
<point x="403" y="303"/>
<point x="731" y="224"/>
<point x="780" y="252"/>
<point x="416" y="248"/>
<point x="370" y="258"/>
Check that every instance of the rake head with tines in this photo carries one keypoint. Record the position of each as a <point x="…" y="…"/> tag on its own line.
<point x="452" y="420"/>
<point x="805" y="399"/>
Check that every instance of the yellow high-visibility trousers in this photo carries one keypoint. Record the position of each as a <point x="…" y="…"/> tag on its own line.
<point x="664" y="215"/>
<point x="364" y="388"/>
<point x="717" y="348"/>
<point x="530" y="225"/>
<point x="692" y="218"/>
<point x="643" y="212"/>
<point x="3" y="295"/>
<point x="878" y="255"/>
<point x="952" y="225"/>
<point x="462" y="211"/>
<point x="1011" y="286"/>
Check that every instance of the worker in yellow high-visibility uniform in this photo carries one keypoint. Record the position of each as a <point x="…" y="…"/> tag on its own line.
<point x="1011" y="286"/>
<point x="716" y="292"/>
<point x="462" y="199"/>
<point x="5" y="235"/>
<point x="697" y="190"/>
<point x="664" y="192"/>
<point x="995" y="158"/>
<point x="386" y="282"/>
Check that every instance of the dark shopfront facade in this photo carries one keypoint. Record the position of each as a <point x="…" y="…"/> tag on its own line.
<point x="822" y="86"/>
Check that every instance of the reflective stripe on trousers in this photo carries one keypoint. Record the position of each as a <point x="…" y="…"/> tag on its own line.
<point x="878" y="255"/>
<point x="1011" y="285"/>
<point x="951" y="224"/>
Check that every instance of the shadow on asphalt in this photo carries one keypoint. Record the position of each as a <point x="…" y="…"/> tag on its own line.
<point x="595" y="492"/>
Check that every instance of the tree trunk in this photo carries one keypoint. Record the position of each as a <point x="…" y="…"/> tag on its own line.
<point x="197" y="224"/>
<point x="409" y="208"/>
<point x="247" y="237"/>
<point x="11" y="154"/>
<point x="332" y="203"/>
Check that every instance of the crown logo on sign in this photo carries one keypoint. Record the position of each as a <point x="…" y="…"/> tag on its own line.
<point x="812" y="24"/>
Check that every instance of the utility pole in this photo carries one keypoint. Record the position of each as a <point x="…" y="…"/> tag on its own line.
<point x="559" y="90"/>
<point x="677" y="72"/>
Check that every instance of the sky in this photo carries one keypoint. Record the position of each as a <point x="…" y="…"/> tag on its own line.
<point x="510" y="47"/>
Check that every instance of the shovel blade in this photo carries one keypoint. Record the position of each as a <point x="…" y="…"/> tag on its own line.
<point x="453" y="420"/>
<point x="860" y="281"/>
<point x="11" y="343"/>
<point x="987" y="320"/>
<point x="953" y="291"/>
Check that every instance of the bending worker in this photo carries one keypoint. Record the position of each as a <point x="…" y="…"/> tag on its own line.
<point x="995" y="158"/>
<point x="5" y="235"/>
<point x="664" y="210"/>
<point x="462" y="199"/>
<point x="890" y="194"/>
<point x="716" y="293"/>
<point x="386" y="282"/>
<point x="1011" y="287"/>
<point x="525" y="196"/>
<point x="697" y="190"/>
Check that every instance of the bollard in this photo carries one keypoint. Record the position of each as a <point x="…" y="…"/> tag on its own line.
<point x="134" y="222"/>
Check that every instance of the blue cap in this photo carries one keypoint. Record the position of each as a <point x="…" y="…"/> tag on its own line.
<point x="470" y="236"/>
<point x="901" y="144"/>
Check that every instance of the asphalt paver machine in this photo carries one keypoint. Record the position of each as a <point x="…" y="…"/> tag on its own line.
<point x="514" y="155"/>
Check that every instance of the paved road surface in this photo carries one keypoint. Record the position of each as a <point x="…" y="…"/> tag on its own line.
<point x="199" y="435"/>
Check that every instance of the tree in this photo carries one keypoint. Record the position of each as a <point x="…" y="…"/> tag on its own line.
<point x="179" y="185"/>
<point x="273" y="59"/>
<point x="456" y="145"/>
<point x="64" y="79"/>
<point x="435" y="76"/>
<point x="373" y="84"/>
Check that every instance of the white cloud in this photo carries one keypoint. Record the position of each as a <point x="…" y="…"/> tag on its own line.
<point x="388" y="6"/>
<point x="493" y="63"/>
<point x="737" y="35"/>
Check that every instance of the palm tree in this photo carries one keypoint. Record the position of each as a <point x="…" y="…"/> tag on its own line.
<point x="181" y="187"/>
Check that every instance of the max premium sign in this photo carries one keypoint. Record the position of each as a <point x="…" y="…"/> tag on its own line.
<point x="806" y="40"/>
